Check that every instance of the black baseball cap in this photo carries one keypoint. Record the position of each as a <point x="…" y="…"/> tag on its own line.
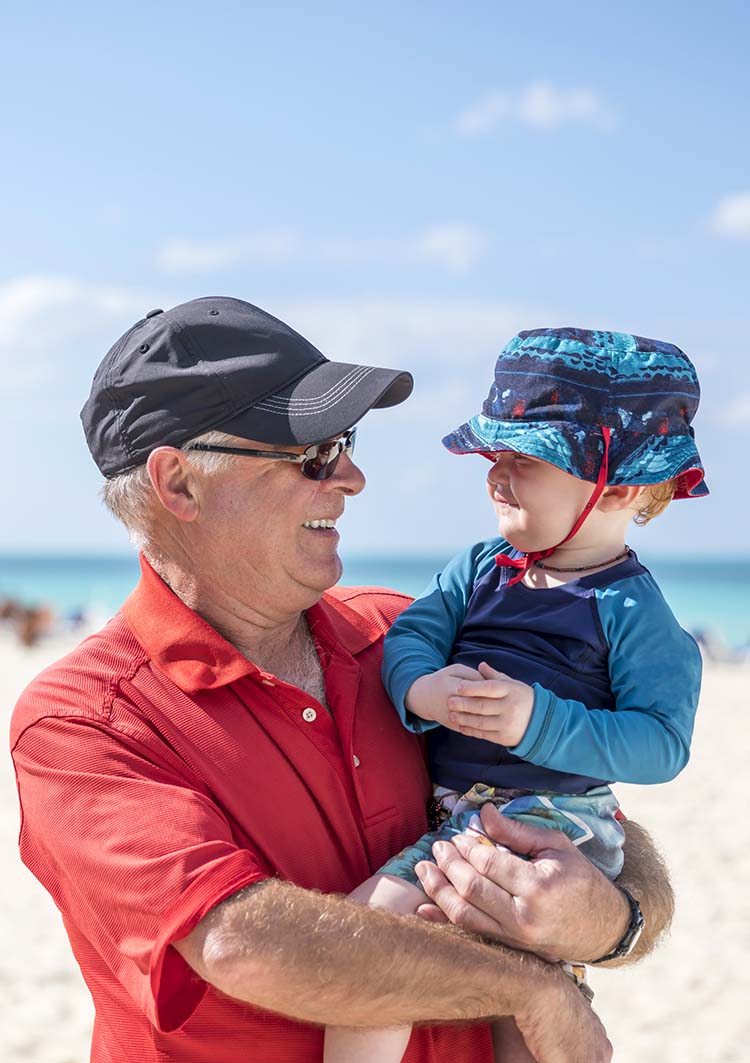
<point x="220" y="363"/>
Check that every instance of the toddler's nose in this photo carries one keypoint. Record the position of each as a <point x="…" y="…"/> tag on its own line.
<point x="499" y="469"/>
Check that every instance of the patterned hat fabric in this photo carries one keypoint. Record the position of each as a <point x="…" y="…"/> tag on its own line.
<point x="556" y="388"/>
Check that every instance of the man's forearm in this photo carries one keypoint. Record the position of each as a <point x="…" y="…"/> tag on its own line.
<point x="324" y="959"/>
<point x="645" y="875"/>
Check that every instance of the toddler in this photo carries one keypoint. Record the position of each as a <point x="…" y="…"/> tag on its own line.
<point x="545" y="664"/>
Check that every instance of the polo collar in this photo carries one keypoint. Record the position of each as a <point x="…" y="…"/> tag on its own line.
<point x="196" y="657"/>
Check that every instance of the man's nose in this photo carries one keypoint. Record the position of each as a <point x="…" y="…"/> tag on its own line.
<point x="348" y="477"/>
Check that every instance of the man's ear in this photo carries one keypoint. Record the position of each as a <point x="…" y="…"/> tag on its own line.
<point x="621" y="496"/>
<point x="174" y="482"/>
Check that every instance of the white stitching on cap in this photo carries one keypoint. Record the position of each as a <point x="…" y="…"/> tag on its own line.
<point x="311" y="410"/>
<point x="302" y="407"/>
<point x="332" y="395"/>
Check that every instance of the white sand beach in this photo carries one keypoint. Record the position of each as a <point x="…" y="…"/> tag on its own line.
<point x="689" y="1003"/>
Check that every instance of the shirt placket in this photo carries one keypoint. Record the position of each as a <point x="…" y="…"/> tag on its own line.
<point x="317" y="725"/>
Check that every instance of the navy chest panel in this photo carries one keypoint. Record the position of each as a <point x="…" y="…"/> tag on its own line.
<point x="551" y="637"/>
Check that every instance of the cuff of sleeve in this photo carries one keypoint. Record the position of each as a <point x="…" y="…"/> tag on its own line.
<point x="398" y="691"/>
<point x="416" y="724"/>
<point x="176" y="989"/>
<point x="530" y="744"/>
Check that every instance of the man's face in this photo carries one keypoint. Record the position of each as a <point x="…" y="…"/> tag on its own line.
<point x="256" y="526"/>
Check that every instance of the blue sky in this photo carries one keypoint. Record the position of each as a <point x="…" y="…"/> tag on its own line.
<point x="408" y="185"/>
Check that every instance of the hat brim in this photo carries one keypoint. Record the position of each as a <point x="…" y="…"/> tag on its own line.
<point x="322" y="404"/>
<point x="578" y="451"/>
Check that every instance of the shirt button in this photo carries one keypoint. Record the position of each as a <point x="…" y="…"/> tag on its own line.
<point x="309" y="715"/>
<point x="356" y="760"/>
<point x="268" y="682"/>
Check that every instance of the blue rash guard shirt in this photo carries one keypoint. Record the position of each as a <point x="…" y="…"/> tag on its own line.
<point x="615" y="678"/>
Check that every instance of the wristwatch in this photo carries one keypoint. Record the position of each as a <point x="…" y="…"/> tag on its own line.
<point x="634" y="930"/>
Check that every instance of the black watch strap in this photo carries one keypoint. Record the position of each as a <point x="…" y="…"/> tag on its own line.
<point x="634" y="930"/>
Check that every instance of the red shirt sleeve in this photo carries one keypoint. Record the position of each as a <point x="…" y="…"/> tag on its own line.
<point x="133" y="851"/>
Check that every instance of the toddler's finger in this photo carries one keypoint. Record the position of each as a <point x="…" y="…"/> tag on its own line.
<point x="491" y="673"/>
<point x="431" y="913"/>
<point x="472" y="719"/>
<point x="475" y="706"/>
<point x="487" y="736"/>
<point x="492" y="688"/>
<point x="463" y="671"/>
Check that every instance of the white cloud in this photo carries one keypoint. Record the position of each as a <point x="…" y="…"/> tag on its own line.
<point x="433" y="337"/>
<point x="30" y="304"/>
<point x="738" y="411"/>
<point x="452" y="245"/>
<point x="485" y="115"/>
<point x="188" y="256"/>
<point x="539" y="105"/>
<point x="25" y="299"/>
<point x="455" y="247"/>
<point x="732" y="216"/>
<point x="45" y="320"/>
<point x="54" y="330"/>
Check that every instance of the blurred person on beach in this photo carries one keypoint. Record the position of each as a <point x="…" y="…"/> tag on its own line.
<point x="30" y="622"/>
<point x="204" y="779"/>
<point x="546" y="664"/>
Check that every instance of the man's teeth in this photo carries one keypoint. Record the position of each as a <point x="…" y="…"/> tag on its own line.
<point x="319" y="524"/>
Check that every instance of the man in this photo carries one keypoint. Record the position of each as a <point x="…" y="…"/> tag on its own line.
<point x="203" y="779"/>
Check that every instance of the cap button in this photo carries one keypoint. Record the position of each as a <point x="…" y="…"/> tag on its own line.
<point x="153" y="313"/>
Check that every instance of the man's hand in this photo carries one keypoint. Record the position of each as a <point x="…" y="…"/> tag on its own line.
<point x="561" y="1027"/>
<point x="428" y="696"/>
<point x="497" y="709"/>
<point x="554" y="903"/>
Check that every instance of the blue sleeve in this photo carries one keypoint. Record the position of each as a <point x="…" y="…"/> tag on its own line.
<point x="655" y="673"/>
<point x="421" y="639"/>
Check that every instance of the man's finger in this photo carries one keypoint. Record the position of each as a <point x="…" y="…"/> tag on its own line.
<point x="521" y="837"/>
<point x="493" y="896"/>
<point x="504" y="867"/>
<point x="456" y="908"/>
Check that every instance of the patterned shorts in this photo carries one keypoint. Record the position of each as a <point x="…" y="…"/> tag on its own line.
<point x="588" y="819"/>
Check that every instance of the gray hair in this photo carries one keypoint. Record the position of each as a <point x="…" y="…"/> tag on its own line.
<point x="130" y="495"/>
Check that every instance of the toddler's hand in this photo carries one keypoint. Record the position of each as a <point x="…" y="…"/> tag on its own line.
<point x="428" y="696"/>
<point x="497" y="709"/>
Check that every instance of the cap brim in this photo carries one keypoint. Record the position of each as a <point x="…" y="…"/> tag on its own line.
<point x="325" y="402"/>
<point x="570" y="448"/>
<point x="578" y="451"/>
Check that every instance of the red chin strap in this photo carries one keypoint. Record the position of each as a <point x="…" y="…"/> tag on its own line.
<point x="523" y="564"/>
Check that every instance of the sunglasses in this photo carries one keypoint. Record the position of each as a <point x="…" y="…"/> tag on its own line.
<point x="318" y="462"/>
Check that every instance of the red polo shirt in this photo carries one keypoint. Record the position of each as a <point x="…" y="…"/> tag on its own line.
<point x="159" y="772"/>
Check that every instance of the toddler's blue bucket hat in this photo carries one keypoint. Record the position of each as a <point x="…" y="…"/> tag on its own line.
<point x="556" y="388"/>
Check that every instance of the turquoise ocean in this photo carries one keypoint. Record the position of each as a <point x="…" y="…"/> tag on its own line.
<point x="711" y="597"/>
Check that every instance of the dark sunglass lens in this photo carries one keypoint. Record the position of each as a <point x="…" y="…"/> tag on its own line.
<point x="317" y="469"/>
<point x="323" y="463"/>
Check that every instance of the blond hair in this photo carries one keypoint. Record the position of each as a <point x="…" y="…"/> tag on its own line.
<point x="653" y="500"/>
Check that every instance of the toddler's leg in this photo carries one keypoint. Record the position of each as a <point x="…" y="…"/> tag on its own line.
<point x="348" y="1044"/>
<point x="508" y="1043"/>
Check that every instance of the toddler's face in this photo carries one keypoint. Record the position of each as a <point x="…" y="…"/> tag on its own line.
<point x="536" y="503"/>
